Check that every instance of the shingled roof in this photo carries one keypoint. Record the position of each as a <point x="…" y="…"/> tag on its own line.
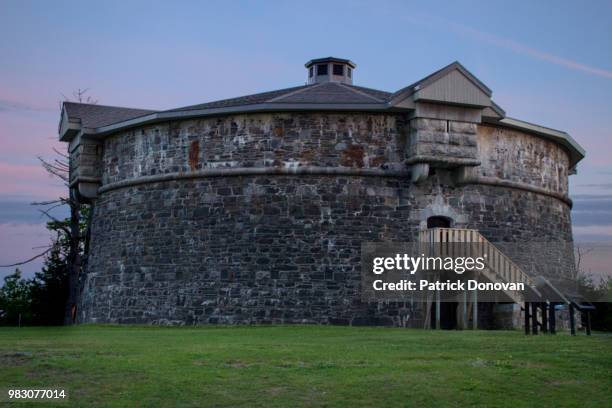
<point x="98" y="116"/>
<point x="325" y="93"/>
<point x="95" y="116"/>
<point x="453" y="85"/>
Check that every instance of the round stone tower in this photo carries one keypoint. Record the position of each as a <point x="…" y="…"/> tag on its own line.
<point x="253" y="209"/>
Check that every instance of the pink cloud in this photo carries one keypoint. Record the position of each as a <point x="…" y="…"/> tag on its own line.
<point x="24" y="135"/>
<point x="27" y="136"/>
<point x="23" y="171"/>
<point x="605" y="230"/>
<point x="29" y="180"/>
<point x="34" y="95"/>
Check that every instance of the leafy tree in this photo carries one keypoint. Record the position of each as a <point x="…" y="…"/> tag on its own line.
<point x="50" y="288"/>
<point x="601" y="293"/>
<point x="15" y="300"/>
<point x="42" y="299"/>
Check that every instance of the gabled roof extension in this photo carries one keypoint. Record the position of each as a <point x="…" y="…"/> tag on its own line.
<point x="453" y="84"/>
<point x="76" y="117"/>
<point x="431" y="78"/>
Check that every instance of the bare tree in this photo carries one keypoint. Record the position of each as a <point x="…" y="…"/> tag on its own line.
<point x="80" y="96"/>
<point x="77" y="238"/>
<point x="581" y="253"/>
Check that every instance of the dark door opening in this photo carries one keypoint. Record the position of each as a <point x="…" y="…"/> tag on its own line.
<point x="448" y="310"/>
<point x="438" y="222"/>
<point x="448" y="315"/>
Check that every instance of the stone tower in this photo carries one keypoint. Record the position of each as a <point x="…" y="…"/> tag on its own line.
<point x="253" y="209"/>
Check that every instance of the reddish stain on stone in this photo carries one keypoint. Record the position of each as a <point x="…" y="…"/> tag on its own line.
<point x="194" y="154"/>
<point x="352" y="156"/>
<point x="378" y="161"/>
<point x="308" y="155"/>
<point x="278" y="131"/>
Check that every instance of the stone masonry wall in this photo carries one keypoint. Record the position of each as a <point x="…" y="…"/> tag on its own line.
<point x="273" y="248"/>
<point x="443" y="139"/>
<point x="335" y="140"/>
<point x="85" y="160"/>
<point x="516" y="156"/>
<point x="256" y="140"/>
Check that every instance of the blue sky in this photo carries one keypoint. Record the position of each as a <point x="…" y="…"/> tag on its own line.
<point x="548" y="62"/>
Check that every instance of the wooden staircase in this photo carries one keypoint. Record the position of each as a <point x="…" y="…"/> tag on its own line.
<point x="500" y="268"/>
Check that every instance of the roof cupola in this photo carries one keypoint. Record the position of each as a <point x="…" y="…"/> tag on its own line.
<point x="330" y="69"/>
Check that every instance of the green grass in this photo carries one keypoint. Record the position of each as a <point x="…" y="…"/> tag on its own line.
<point x="306" y="366"/>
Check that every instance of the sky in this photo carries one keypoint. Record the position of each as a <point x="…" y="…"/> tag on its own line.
<point x="548" y="62"/>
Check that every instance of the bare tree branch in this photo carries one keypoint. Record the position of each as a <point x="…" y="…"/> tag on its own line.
<point x="62" y="170"/>
<point x="581" y="253"/>
<point x="28" y="260"/>
<point x="60" y="200"/>
<point x="61" y="154"/>
<point x="80" y="96"/>
<point x="59" y="204"/>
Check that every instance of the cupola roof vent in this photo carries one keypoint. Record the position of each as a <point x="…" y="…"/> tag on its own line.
<point x="330" y="69"/>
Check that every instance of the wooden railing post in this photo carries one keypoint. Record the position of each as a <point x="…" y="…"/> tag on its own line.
<point x="544" y="317"/>
<point x="527" y="315"/>
<point x="437" y="310"/>
<point x="475" y="309"/>
<point x="534" y="318"/>
<point x="572" y="320"/>
<point x="551" y="319"/>
<point x="588" y="322"/>
<point x="464" y="312"/>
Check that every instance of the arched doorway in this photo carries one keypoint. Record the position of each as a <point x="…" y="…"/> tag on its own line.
<point x="438" y="221"/>
<point x="448" y="309"/>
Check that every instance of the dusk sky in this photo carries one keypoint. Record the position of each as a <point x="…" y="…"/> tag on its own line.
<point x="547" y="62"/>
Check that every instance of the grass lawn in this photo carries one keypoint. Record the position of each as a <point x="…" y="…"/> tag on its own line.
<point x="306" y="366"/>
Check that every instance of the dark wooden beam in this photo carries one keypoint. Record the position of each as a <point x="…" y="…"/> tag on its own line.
<point x="572" y="319"/>
<point x="544" y="307"/>
<point x="588" y="322"/>
<point x="437" y="310"/>
<point x="527" y="326"/>
<point x="534" y="318"/>
<point x="474" y="309"/>
<point x="551" y="319"/>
